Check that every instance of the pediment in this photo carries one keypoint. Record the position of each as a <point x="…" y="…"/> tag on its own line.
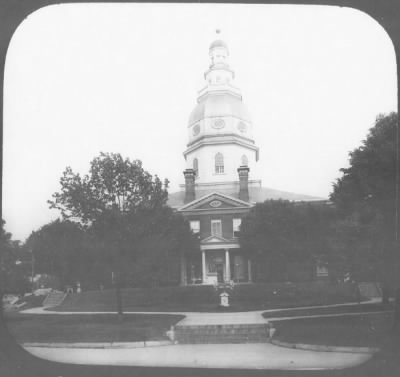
<point x="214" y="239"/>
<point x="215" y="201"/>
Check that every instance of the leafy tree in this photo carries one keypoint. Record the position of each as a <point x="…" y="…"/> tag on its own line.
<point x="278" y="231"/>
<point x="113" y="183"/>
<point x="132" y="234"/>
<point x="59" y="250"/>
<point x="365" y="197"/>
<point x="143" y="246"/>
<point x="12" y="277"/>
<point x="368" y="184"/>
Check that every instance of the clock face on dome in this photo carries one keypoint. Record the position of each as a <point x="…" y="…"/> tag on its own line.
<point x="242" y="127"/>
<point x="196" y="130"/>
<point x="218" y="124"/>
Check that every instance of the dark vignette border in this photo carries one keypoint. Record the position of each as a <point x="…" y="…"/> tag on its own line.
<point x="12" y="13"/>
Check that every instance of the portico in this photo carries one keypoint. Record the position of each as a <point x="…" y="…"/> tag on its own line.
<point x="217" y="264"/>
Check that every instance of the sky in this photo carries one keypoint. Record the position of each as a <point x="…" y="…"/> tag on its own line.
<point x="86" y="78"/>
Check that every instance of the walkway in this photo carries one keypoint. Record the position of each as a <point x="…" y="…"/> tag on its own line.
<point x="204" y="318"/>
<point x="231" y="356"/>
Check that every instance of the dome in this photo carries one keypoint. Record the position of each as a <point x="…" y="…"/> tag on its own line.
<point x="218" y="43"/>
<point x="219" y="105"/>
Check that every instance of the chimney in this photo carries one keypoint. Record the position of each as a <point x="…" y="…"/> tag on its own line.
<point x="244" y="183"/>
<point x="189" y="185"/>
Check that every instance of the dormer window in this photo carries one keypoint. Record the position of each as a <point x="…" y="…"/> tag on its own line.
<point x="219" y="163"/>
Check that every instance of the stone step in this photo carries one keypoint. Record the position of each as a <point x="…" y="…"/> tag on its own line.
<point x="54" y="298"/>
<point x="239" y="333"/>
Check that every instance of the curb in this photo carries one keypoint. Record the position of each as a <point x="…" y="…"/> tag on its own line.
<point x="322" y="348"/>
<point x="102" y="345"/>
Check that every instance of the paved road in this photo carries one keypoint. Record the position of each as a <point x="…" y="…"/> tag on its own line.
<point x="252" y="356"/>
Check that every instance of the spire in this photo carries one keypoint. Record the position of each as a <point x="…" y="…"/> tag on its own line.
<point x="219" y="72"/>
<point x="219" y="52"/>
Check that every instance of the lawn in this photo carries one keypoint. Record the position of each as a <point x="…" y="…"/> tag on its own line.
<point x="356" y="308"/>
<point x="89" y="328"/>
<point x="364" y="330"/>
<point x="369" y="330"/>
<point x="205" y="299"/>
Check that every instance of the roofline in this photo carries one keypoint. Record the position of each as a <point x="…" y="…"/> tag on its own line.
<point x="246" y="204"/>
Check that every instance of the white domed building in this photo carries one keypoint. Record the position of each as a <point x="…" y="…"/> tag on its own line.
<point x="221" y="181"/>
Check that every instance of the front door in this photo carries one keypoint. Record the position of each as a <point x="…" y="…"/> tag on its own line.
<point x="220" y="272"/>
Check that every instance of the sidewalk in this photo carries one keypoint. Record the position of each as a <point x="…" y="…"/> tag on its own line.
<point x="204" y="318"/>
<point x="230" y="356"/>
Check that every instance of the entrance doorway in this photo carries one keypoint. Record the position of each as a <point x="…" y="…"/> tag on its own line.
<point x="220" y="272"/>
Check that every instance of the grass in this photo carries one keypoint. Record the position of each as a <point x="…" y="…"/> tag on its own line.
<point x="369" y="330"/>
<point x="356" y="308"/>
<point x="205" y="298"/>
<point x="87" y="328"/>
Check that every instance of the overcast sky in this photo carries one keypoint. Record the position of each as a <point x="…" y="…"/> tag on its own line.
<point x="85" y="78"/>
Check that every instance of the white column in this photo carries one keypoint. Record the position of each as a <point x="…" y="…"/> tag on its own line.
<point x="249" y="270"/>
<point x="203" y="264"/>
<point x="227" y="266"/>
<point x="183" y="270"/>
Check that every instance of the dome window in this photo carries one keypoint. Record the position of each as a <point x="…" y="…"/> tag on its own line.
<point x="196" y="130"/>
<point x="218" y="124"/>
<point x="242" y="127"/>
<point x="219" y="163"/>
<point x="245" y="161"/>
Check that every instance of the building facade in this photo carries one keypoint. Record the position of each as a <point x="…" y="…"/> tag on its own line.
<point x="221" y="181"/>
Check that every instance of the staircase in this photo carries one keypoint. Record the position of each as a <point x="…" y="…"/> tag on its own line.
<point x="370" y="289"/>
<point x="54" y="298"/>
<point x="239" y="333"/>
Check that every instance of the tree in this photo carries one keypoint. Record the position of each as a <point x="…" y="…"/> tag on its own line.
<point x="128" y="224"/>
<point x="280" y="231"/>
<point x="12" y="277"/>
<point x="58" y="249"/>
<point x="368" y="184"/>
<point x="365" y="196"/>
<point x="367" y="191"/>
<point x="113" y="183"/>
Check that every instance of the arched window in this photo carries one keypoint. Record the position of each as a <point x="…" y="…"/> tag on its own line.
<point x="245" y="161"/>
<point x="219" y="163"/>
<point x="196" y="167"/>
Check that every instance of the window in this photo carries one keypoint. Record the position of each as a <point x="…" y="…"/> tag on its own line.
<point x="245" y="161"/>
<point x="195" y="226"/>
<point x="196" y="167"/>
<point x="219" y="163"/>
<point x="322" y="270"/>
<point x="236" y="227"/>
<point x="216" y="228"/>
